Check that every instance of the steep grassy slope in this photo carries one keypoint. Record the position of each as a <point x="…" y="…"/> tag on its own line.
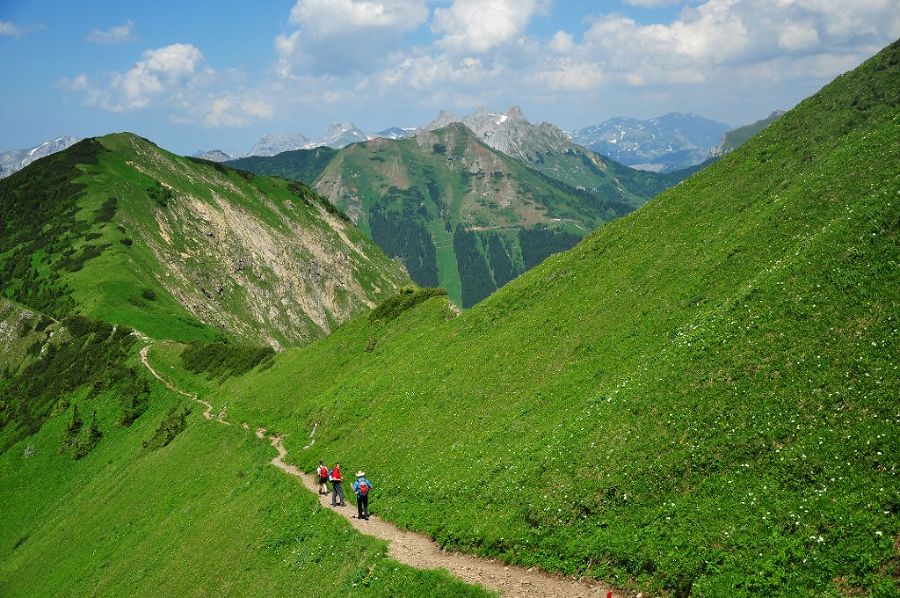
<point x="700" y="398"/>
<point x="459" y="214"/>
<point x="117" y="229"/>
<point x="202" y="514"/>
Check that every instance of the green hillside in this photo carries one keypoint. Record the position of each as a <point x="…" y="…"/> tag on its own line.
<point x="157" y="502"/>
<point x="700" y="398"/>
<point x="457" y="213"/>
<point x="117" y="229"/>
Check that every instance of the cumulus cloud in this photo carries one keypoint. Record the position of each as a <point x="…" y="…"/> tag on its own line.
<point x="119" y="34"/>
<point x="323" y="18"/>
<point x="10" y="29"/>
<point x="724" y="37"/>
<point x="339" y="37"/>
<point x="480" y="25"/>
<point x="175" y="78"/>
<point x="231" y="112"/>
<point x="164" y="68"/>
<point x="651" y="3"/>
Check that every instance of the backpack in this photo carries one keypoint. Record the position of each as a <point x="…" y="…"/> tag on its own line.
<point x="323" y="471"/>
<point x="363" y="488"/>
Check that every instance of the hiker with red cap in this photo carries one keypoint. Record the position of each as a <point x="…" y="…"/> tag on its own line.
<point x="362" y="487"/>
<point x="337" y="484"/>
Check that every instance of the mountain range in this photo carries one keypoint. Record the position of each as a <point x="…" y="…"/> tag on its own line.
<point x="459" y="211"/>
<point x="661" y="144"/>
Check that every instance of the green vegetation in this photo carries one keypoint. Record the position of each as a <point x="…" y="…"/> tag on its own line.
<point x="172" y="424"/>
<point x="408" y="298"/>
<point x="220" y="360"/>
<point x="298" y="165"/>
<point x="700" y="398"/>
<point x="82" y="353"/>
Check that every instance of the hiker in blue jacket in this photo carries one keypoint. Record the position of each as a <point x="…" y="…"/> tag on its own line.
<point x="362" y="487"/>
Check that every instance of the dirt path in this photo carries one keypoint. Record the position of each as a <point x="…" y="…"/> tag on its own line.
<point x="418" y="550"/>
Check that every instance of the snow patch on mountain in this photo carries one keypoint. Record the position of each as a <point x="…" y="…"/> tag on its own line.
<point x="15" y="160"/>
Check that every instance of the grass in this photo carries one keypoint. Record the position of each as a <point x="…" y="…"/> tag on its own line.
<point x="698" y="399"/>
<point x="204" y="514"/>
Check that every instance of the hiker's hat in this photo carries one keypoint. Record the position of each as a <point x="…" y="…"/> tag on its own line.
<point x="360" y="474"/>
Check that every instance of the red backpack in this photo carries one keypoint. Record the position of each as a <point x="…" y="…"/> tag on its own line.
<point x="323" y="471"/>
<point x="363" y="489"/>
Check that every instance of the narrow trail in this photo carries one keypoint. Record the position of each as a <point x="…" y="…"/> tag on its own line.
<point x="417" y="550"/>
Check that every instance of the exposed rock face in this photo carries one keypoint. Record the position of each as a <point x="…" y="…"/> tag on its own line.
<point x="509" y="132"/>
<point x="277" y="268"/>
<point x="215" y="155"/>
<point x="272" y="144"/>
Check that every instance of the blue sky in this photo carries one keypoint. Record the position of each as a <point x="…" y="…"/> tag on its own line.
<point x="192" y="75"/>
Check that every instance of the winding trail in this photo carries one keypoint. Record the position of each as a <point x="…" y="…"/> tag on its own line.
<point x="418" y="550"/>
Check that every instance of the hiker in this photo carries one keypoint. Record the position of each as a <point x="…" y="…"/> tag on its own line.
<point x="322" y="472"/>
<point x="337" y="483"/>
<point x="362" y="487"/>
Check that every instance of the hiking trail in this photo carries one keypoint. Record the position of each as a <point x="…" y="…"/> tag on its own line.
<point x="414" y="549"/>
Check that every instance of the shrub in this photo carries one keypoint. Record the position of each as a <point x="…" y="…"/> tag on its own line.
<point x="409" y="297"/>
<point x="174" y="422"/>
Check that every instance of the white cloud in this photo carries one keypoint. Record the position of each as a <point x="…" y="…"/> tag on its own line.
<point x="119" y="34"/>
<point x="480" y="25"/>
<point x="174" y="78"/>
<point x="228" y="111"/>
<point x="651" y="3"/>
<point x="562" y="42"/>
<point x="722" y="38"/>
<point x="78" y="83"/>
<point x="10" y="29"/>
<point x="798" y="37"/>
<point x="569" y="76"/>
<point x="166" y="67"/>
<point x="323" y="18"/>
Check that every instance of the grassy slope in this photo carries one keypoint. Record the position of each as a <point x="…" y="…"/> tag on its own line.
<point x="205" y="515"/>
<point x="112" y="285"/>
<point x="701" y="397"/>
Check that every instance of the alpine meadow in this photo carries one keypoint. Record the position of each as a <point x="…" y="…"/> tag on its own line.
<point x="509" y="365"/>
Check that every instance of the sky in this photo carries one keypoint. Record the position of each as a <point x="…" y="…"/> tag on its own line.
<point x="193" y="75"/>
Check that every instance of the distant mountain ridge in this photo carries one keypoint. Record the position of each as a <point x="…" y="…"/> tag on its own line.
<point x="15" y="160"/>
<point x="661" y="144"/>
<point x="460" y="213"/>
<point x="732" y="139"/>
<point x="215" y="155"/>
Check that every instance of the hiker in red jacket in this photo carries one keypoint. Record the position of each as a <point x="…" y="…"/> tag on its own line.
<point x="322" y="472"/>
<point x="337" y="483"/>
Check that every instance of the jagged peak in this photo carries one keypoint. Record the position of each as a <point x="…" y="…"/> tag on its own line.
<point x="515" y="113"/>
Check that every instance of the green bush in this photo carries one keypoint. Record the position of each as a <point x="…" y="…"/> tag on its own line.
<point x="223" y="359"/>
<point x="409" y="297"/>
<point x="174" y="422"/>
